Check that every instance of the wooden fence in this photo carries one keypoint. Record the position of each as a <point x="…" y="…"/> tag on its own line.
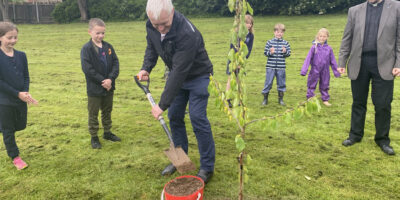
<point x="32" y="13"/>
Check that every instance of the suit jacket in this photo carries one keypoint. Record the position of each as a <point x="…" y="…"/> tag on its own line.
<point x="388" y="40"/>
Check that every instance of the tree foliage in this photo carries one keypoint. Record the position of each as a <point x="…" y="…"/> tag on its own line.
<point x="68" y="10"/>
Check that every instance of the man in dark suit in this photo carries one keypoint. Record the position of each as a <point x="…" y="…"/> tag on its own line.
<point x="371" y="49"/>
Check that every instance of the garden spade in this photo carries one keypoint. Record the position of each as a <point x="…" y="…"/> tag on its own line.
<point x="175" y="154"/>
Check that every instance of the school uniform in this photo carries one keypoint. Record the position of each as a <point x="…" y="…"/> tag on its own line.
<point x="276" y="65"/>
<point x="14" y="78"/>
<point x="99" y="64"/>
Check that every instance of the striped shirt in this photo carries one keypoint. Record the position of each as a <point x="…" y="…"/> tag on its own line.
<point x="277" y="60"/>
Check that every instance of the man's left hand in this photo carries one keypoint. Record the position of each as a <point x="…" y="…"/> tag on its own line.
<point x="396" y="71"/>
<point x="156" y="111"/>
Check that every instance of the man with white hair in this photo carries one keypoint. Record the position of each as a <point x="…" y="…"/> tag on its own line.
<point x="180" y="45"/>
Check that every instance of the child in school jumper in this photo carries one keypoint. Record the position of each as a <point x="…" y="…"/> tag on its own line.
<point x="101" y="67"/>
<point x="276" y="50"/>
<point x="320" y="57"/>
<point x="249" y="43"/>
<point x="14" y="91"/>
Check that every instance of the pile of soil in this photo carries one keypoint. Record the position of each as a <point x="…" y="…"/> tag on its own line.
<point x="183" y="186"/>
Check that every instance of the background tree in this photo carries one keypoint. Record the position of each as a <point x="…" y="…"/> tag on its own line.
<point x="83" y="9"/>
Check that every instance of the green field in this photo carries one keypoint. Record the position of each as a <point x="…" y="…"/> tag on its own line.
<point x="62" y="165"/>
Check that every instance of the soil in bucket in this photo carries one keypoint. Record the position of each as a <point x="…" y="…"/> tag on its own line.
<point x="184" y="186"/>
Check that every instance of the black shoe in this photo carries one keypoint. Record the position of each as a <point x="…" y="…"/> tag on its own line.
<point x="348" y="142"/>
<point x="265" y="101"/>
<point x="168" y="170"/>
<point x="280" y="99"/>
<point x="95" y="143"/>
<point x="387" y="149"/>
<point x="205" y="175"/>
<point x="110" y="136"/>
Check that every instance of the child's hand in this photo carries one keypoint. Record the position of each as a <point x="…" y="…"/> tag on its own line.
<point x="283" y="50"/>
<point x="272" y="50"/>
<point x="396" y="71"/>
<point x="341" y="70"/>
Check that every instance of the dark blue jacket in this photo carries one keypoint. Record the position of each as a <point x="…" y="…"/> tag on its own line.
<point x="249" y="43"/>
<point x="182" y="50"/>
<point x="14" y="77"/>
<point x="94" y="68"/>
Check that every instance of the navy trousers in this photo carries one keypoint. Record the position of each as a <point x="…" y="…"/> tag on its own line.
<point x="12" y="119"/>
<point x="195" y="92"/>
<point x="382" y="96"/>
<point x="280" y="75"/>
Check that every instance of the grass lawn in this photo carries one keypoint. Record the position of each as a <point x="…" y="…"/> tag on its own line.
<point x="56" y="143"/>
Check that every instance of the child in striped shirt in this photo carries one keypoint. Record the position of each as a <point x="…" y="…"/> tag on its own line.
<point x="276" y="49"/>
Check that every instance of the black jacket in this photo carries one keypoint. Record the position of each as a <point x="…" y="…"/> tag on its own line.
<point x="13" y="80"/>
<point x="94" y="71"/>
<point x="182" y="50"/>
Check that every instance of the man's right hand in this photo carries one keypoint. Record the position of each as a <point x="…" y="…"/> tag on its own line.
<point x="143" y="75"/>
<point x="341" y="70"/>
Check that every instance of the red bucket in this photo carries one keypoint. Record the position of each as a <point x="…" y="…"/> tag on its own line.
<point x="197" y="195"/>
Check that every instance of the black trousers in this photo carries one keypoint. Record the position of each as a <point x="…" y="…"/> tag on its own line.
<point x="12" y="119"/>
<point x="382" y="96"/>
<point x="105" y="104"/>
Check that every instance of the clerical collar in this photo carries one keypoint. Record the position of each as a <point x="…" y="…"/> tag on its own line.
<point x="376" y="3"/>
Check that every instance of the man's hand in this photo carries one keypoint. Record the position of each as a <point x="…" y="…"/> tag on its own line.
<point x="143" y="75"/>
<point x="272" y="50"/>
<point x="26" y="97"/>
<point x="396" y="71"/>
<point x="106" y="83"/>
<point x="283" y="50"/>
<point x="341" y="70"/>
<point x="156" y="111"/>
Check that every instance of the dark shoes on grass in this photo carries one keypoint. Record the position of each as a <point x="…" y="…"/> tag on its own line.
<point x="205" y="175"/>
<point x="384" y="147"/>
<point x="107" y="136"/>
<point x="168" y="170"/>
<point x="95" y="143"/>
<point x="387" y="149"/>
<point x="348" y="142"/>
<point x="110" y="136"/>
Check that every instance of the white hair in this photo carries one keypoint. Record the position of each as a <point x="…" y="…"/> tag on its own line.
<point x="156" y="6"/>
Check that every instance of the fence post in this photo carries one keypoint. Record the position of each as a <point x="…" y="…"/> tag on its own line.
<point x="37" y="13"/>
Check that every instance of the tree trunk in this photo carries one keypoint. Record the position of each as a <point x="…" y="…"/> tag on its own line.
<point x="4" y="10"/>
<point x="83" y="10"/>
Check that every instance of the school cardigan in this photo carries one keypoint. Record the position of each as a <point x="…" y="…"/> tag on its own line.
<point x="277" y="60"/>
<point x="182" y="50"/>
<point x="14" y="78"/>
<point x="95" y="69"/>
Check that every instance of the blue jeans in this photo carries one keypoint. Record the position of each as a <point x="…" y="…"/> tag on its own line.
<point x="269" y="78"/>
<point x="195" y="92"/>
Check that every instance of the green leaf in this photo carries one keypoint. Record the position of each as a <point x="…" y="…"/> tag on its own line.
<point x="249" y="8"/>
<point x="231" y="55"/>
<point x="288" y="118"/>
<point x="246" y="178"/>
<point x="249" y="159"/>
<point x="318" y="105"/>
<point x="297" y="114"/>
<point x="231" y="5"/>
<point x="240" y="145"/>
<point x="242" y="31"/>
